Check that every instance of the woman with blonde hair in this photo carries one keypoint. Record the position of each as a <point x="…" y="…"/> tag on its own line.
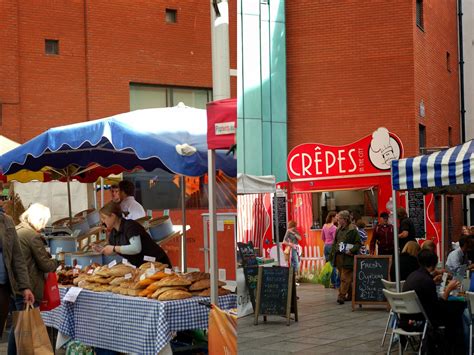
<point x="408" y="260"/>
<point x="37" y="259"/>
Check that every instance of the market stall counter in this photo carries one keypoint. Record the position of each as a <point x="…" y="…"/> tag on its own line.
<point x="129" y="324"/>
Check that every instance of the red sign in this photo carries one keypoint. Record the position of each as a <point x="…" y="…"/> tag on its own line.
<point x="221" y="123"/>
<point x="370" y="156"/>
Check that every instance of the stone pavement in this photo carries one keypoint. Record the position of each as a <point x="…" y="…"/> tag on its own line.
<point x="324" y="327"/>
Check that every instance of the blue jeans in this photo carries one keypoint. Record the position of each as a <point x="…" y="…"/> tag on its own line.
<point x="295" y="260"/>
<point x="18" y="304"/>
<point x="327" y="251"/>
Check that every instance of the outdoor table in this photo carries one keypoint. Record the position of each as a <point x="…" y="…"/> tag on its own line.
<point x="129" y="324"/>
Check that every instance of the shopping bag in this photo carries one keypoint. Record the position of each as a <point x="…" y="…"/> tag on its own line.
<point x="31" y="336"/>
<point x="51" y="298"/>
<point x="325" y="275"/>
<point x="222" y="333"/>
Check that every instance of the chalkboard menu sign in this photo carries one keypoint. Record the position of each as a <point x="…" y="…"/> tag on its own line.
<point x="276" y="293"/>
<point x="368" y="274"/>
<point x="247" y="254"/>
<point x="416" y="212"/>
<point x="251" y="280"/>
<point x="279" y="202"/>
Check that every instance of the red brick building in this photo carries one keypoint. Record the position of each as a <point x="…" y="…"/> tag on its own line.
<point x="97" y="51"/>
<point x="64" y="62"/>
<point x="353" y="66"/>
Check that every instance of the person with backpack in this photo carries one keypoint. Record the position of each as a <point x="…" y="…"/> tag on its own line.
<point x="383" y="237"/>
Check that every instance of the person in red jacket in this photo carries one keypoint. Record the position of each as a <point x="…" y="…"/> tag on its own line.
<point x="383" y="237"/>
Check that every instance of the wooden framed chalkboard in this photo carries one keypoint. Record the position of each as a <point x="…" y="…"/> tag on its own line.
<point x="279" y="201"/>
<point x="367" y="280"/>
<point x="416" y="211"/>
<point x="276" y="293"/>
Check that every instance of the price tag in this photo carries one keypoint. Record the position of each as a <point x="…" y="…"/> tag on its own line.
<point x="72" y="294"/>
<point x="149" y="258"/>
<point x="93" y="238"/>
<point x="168" y="271"/>
<point x="90" y="271"/>
<point x="59" y="250"/>
<point x="125" y="262"/>
<point x="112" y="264"/>
<point x="127" y="276"/>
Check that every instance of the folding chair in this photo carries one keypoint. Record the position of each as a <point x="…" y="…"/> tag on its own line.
<point x="406" y="303"/>
<point x="470" y="302"/>
<point x="391" y="286"/>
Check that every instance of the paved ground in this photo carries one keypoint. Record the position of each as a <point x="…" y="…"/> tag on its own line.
<point x="324" y="327"/>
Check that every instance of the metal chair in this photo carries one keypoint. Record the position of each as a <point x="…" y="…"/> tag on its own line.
<point x="391" y="286"/>
<point x="470" y="302"/>
<point x="406" y="303"/>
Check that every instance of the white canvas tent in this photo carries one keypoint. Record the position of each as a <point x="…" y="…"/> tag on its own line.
<point x="449" y="171"/>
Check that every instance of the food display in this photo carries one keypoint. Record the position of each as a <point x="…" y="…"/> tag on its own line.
<point x="152" y="280"/>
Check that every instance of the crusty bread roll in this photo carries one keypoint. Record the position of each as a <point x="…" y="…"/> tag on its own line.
<point x="159" y="275"/>
<point x="117" y="281"/>
<point x="158" y="266"/>
<point x="173" y="281"/>
<point x="195" y="276"/>
<point x="164" y="289"/>
<point x="203" y="284"/>
<point x="174" y="295"/>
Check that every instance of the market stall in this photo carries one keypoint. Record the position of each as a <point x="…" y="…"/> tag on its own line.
<point x="173" y="139"/>
<point x="137" y="315"/>
<point x="448" y="171"/>
<point x="326" y="178"/>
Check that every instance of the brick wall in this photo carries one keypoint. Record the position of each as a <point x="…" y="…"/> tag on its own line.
<point x="103" y="47"/>
<point x="354" y="66"/>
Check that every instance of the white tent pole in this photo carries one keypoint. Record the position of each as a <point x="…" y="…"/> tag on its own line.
<point x="213" y="226"/>
<point x="94" y="186"/>
<point x="101" y="192"/>
<point x="442" y="229"/>
<point x="396" y="252"/>
<point x="184" y="264"/>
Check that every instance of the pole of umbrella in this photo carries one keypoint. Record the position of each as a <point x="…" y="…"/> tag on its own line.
<point x="395" y="241"/>
<point x="68" y="180"/>
<point x="184" y="265"/>
<point x="277" y="229"/>
<point x="101" y="192"/>
<point x="213" y="226"/>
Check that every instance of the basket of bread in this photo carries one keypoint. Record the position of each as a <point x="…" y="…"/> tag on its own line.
<point x="152" y="280"/>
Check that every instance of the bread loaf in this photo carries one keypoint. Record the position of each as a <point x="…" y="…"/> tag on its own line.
<point x="203" y="284"/>
<point x="174" y="295"/>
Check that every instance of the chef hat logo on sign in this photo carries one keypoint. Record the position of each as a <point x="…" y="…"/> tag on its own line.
<point x="383" y="149"/>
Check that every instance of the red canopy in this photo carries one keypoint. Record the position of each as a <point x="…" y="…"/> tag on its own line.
<point x="221" y="123"/>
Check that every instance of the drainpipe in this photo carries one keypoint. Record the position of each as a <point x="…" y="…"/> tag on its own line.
<point x="461" y="94"/>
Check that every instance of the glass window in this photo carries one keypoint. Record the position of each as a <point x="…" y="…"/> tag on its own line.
<point x="419" y="14"/>
<point x="51" y="46"/>
<point x="147" y="96"/>
<point x="422" y="138"/>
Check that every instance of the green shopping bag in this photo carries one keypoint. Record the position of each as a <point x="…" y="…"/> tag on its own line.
<point x="77" y="348"/>
<point x="325" y="275"/>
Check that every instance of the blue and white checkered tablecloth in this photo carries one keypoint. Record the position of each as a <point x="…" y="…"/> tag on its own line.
<point x="129" y="324"/>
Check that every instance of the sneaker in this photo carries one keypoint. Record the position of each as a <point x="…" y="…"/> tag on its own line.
<point x="340" y="300"/>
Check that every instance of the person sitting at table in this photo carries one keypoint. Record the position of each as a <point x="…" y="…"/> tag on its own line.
<point x="439" y="312"/>
<point x="408" y="260"/>
<point x="128" y="238"/>
<point x="458" y="257"/>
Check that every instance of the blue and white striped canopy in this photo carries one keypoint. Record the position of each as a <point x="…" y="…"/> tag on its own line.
<point x="448" y="171"/>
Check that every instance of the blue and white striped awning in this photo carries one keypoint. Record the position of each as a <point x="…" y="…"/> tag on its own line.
<point x="447" y="171"/>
